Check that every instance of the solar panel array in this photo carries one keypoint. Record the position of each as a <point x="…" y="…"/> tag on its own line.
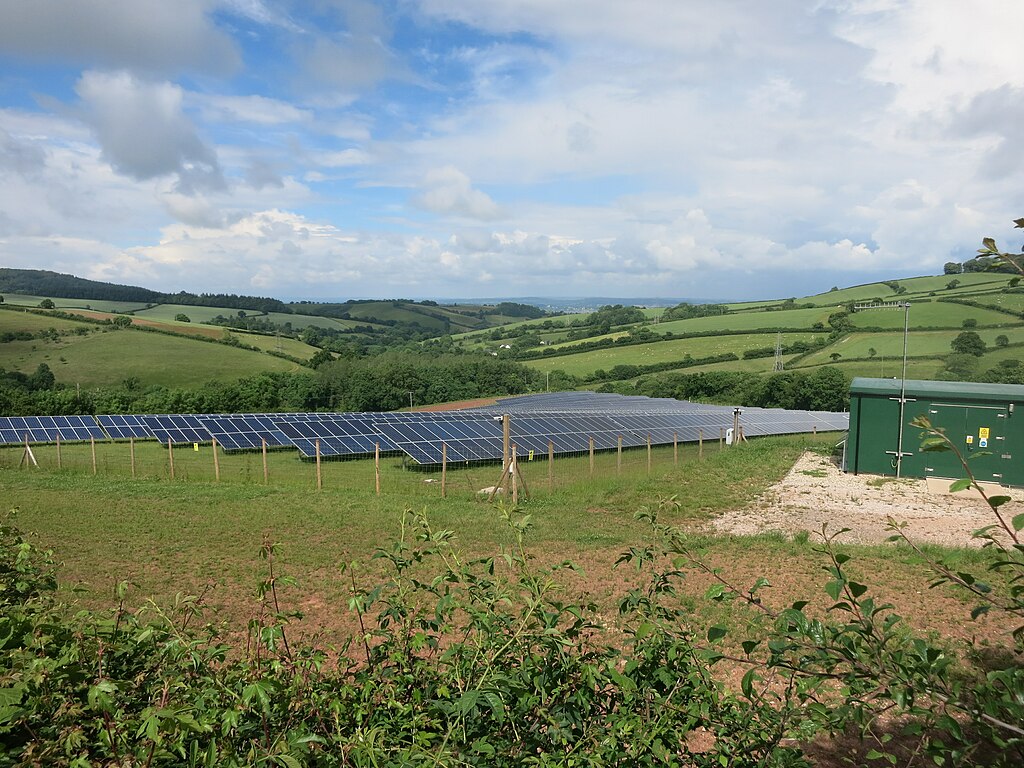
<point x="48" y="429"/>
<point x="569" y="420"/>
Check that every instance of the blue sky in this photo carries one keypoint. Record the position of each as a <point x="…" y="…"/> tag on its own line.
<point x="440" y="148"/>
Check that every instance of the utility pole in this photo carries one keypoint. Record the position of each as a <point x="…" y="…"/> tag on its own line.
<point x="410" y="399"/>
<point x="778" y="352"/>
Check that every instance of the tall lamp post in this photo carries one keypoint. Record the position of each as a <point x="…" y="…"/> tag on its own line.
<point x="905" y="306"/>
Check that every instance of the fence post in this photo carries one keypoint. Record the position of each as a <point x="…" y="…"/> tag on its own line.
<point x="319" y="477"/>
<point x="444" y="470"/>
<point x="648" y="453"/>
<point x="58" y="451"/>
<point x="92" y="447"/>
<point x="591" y="457"/>
<point x="700" y="443"/>
<point x="216" y="462"/>
<point x="266" y="474"/>
<point x="675" y="448"/>
<point x="505" y="432"/>
<point x="721" y="438"/>
<point x="618" y="457"/>
<point x="551" y="465"/>
<point x="376" y="466"/>
<point x="170" y="455"/>
<point x="131" y="451"/>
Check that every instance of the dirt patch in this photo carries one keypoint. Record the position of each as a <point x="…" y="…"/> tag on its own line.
<point x="816" y="492"/>
<point x="458" y="406"/>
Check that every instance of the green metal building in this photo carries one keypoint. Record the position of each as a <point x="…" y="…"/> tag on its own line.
<point x="984" y="421"/>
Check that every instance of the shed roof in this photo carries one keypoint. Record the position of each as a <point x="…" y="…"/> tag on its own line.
<point x="964" y="389"/>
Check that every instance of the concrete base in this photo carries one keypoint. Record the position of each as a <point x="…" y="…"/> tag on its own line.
<point x="941" y="485"/>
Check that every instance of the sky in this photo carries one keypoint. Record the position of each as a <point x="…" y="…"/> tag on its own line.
<point x="331" y="149"/>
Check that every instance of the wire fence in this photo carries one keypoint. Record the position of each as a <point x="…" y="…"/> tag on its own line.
<point x="389" y="473"/>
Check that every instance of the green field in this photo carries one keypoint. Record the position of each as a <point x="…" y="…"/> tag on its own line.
<point x="166" y="313"/>
<point x="747" y="321"/>
<point x="179" y="535"/>
<point x="586" y="363"/>
<point x="111" y="356"/>
<point x="282" y="344"/>
<point x="931" y="314"/>
<point x="1011" y="301"/>
<point x="891" y="344"/>
<point x="96" y="304"/>
<point x="11" y="320"/>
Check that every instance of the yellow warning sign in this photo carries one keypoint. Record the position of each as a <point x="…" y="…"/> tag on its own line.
<point x="970" y="439"/>
<point x="531" y="456"/>
<point x="195" y="447"/>
<point x="983" y="433"/>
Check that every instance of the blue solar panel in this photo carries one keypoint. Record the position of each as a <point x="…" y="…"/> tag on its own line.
<point x="177" y="428"/>
<point x="48" y="429"/>
<point x="244" y="432"/>
<point x="124" y="426"/>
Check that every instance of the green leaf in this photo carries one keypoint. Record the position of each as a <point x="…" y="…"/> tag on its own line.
<point x="716" y="633"/>
<point x="715" y="592"/>
<point x="998" y="501"/>
<point x="959" y="485"/>
<point x="857" y="589"/>
<point x="1018" y="521"/>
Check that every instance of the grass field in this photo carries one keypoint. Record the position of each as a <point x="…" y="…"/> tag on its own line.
<point x="167" y="312"/>
<point x="1011" y="301"/>
<point x="11" y="320"/>
<point x="98" y="304"/>
<point x="931" y="314"/>
<point x="110" y="357"/>
<point x="748" y="321"/>
<point x="664" y="351"/>
<point x="890" y="344"/>
<point x="194" y="535"/>
<point x="283" y="344"/>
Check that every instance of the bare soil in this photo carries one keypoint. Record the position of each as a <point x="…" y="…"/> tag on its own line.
<point x="816" y="493"/>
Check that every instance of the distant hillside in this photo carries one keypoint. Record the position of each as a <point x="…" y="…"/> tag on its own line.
<point x="38" y="282"/>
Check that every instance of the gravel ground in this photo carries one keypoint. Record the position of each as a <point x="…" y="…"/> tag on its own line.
<point x="816" y="492"/>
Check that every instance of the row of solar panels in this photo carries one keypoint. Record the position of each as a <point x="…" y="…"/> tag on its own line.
<point x="470" y="435"/>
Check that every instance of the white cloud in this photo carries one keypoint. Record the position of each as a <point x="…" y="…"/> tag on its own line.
<point x="249" y="109"/>
<point x="448" y="190"/>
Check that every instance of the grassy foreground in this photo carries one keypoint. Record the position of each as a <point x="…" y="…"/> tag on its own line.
<point x="196" y="535"/>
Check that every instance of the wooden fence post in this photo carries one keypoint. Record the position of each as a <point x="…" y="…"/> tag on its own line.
<point x="444" y="470"/>
<point x="618" y="457"/>
<point x="131" y="451"/>
<point x="721" y="438"/>
<point x="675" y="448"/>
<point x="266" y="474"/>
<point x="170" y="455"/>
<point x="216" y="462"/>
<point x="591" y="457"/>
<point x="92" y="447"/>
<point x="648" y="453"/>
<point x="319" y="477"/>
<point x="515" y="476"/>
<point x="376" y="466"/>
<point x="700" y="443"/>
<point x="58" y="451"/>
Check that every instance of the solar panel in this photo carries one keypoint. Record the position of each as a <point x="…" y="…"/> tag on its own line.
<point x="124" y="426"/>
<point x="47" y="429"/>
<point x="243" y="432"/>
<point x="347" y="434"/>
<point x="177" y="428"/>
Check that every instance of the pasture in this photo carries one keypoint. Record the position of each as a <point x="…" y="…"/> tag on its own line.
<point x="100" y="305"/>
<point x="890" y="344"/>
<point x="586" y="363"/>
<point x="931" y="314"/>
<point x="108" y="357"/>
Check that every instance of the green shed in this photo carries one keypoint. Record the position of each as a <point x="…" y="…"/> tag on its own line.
<point x="984" y="421"/>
